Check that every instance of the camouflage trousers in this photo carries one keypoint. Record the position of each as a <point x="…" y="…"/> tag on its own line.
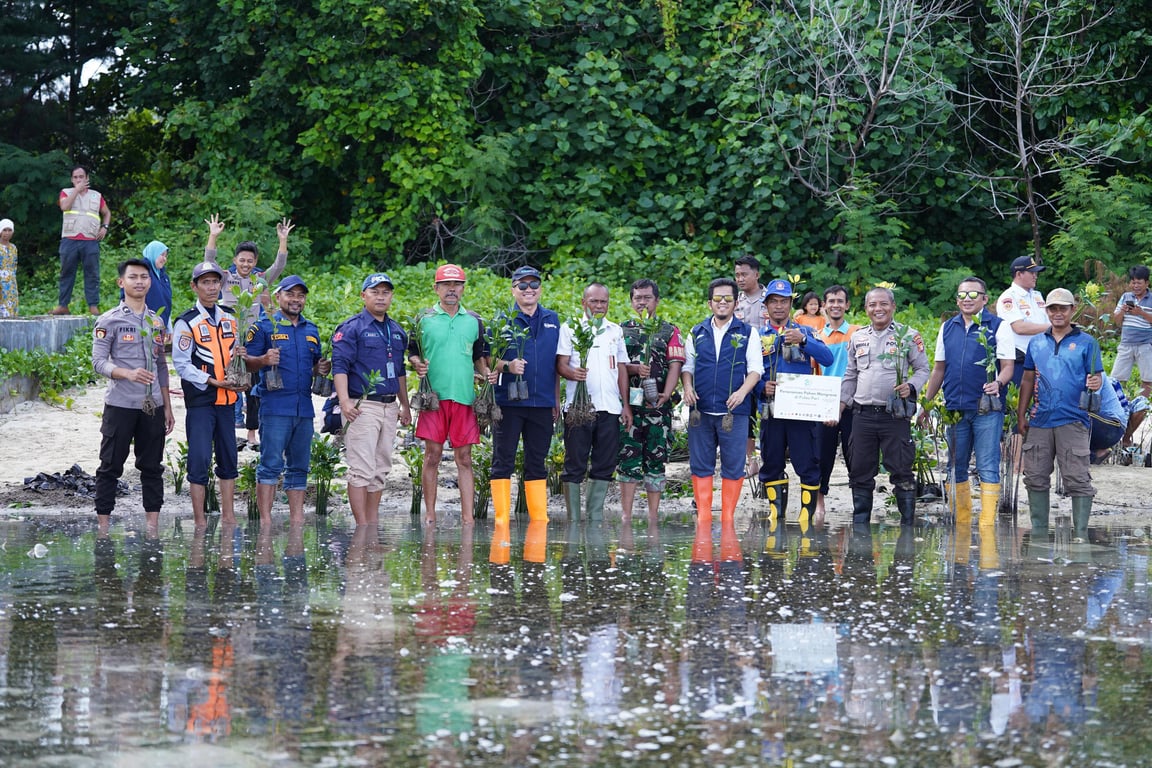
<point x="644" y="449"/>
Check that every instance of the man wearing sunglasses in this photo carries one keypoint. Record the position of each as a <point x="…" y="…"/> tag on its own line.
<point x="723" y="363"/>
<point x="530" y="418"/>
<point x="963" y="347"/>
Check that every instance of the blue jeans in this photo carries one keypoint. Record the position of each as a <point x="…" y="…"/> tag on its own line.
<point x="704" y="439"/>
<point x="73" y="255"/>
<point x="979" y="433"/>
<point x="285" y="437"/>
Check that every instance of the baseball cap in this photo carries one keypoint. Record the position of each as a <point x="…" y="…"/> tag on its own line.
<point x="1060" y="296"/>
<point x="375" y="279"/>
<point x="204" y="268"/>
<point x="524" y="272"/>
<point x="778" y="287"/>
<point x="1026" y="264"/>
<point x="291" y="282"/>
<point x="449" y="273"/>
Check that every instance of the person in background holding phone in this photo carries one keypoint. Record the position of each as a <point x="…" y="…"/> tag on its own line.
<point x="1134" y="312"/>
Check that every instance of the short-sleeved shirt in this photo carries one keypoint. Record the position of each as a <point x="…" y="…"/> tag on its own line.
<point x="750" y="309"/>
<point x="362" y="344"/>
<point x="1018" y="303"/>
<point x="1062" y="368"/>
<point x="452" y="344"/>
<point x="299" y="347"/>
<point x="836" y="339"/>
<point x="871" y="375"/>
<point x="1136" y="330"/>
<point x="124" y="339"/>
<point x="607" y="354"/>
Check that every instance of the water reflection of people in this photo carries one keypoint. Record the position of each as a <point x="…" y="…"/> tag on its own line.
<point x="276" y="691"/>
<point x="719" y="678"/>
<point x="131" y="614"/>
<point x="198" y="703"/>
<point x="361" y="691"/>
<point x="443" y="627"/>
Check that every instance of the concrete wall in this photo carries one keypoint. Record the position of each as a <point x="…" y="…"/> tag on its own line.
<point x="17" y="389"/>
<point x="46" y="332"/>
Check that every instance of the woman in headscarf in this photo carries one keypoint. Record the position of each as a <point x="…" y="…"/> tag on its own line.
<point x="9" y="296"/>
<point x="159" y="298"/>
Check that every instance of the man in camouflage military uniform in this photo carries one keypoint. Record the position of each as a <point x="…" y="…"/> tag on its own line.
<point x="644" y="445"/>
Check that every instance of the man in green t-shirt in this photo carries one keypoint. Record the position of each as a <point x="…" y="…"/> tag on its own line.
<point x="454" y="348"/>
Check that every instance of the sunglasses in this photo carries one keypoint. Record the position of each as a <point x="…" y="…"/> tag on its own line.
<point x="528" y="285"/>
<point x="969" y="294"/>
<point x="724" y="299"/>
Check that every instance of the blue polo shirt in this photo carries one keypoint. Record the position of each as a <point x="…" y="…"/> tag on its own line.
<point x="1061" y="368"/>
<point x="363" y="344"/>
<point x="299" y="347"/>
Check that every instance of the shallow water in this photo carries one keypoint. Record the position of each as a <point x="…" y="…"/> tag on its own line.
<point x="326" y="646"/>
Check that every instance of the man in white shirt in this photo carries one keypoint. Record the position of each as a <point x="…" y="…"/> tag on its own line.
<point x="1022" y="308"/>
<point x="723" y="364"/>
<point x="591" y="448"/>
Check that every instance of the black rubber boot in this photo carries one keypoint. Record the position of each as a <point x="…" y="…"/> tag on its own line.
<point x="861" y="506"/>
<point x="906" y="504"/>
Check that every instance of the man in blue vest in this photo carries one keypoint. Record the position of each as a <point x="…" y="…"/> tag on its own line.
<point x="787" y="347"/>
<point x="723" y="364"/>
<point x="291" y="342"/>
<point x="960" y="368"/>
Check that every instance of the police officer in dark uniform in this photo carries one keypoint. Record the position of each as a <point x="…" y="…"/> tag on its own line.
<point x="788" y="348"/>
<point x="366" y="346"/>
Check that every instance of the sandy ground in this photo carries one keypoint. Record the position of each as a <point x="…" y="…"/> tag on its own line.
<point x="38" y="437"/>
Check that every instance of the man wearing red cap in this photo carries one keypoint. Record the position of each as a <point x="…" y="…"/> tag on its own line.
<point x="453" y="347"/>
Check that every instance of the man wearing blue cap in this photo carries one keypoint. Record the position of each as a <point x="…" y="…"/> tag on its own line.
<point x="290" y="342"/>
<point x="788" y="347"/>
<point x="204" y="340"/>
<point x="370" y="347"/>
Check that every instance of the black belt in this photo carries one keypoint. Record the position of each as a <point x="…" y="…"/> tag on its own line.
<point x="381" y="398"/>
<point x="857" y="408"/>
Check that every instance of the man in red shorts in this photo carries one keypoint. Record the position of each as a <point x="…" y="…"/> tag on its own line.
<point x="453" y="348"/>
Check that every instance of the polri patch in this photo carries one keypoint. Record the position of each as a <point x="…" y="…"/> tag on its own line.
<point x="100" y="333"/>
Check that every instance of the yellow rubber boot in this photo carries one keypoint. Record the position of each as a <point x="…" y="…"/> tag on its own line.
<point x="776" y="491"/>
<point x="501" y="491"/>
<point x="962" y="496"/>
<point x="989" y="502"/>
<point x="702" y="492"/>
<point x="989" y="557"/>
<point x="500" y="550"/>
<point x="808" y="497"/>
<point x="536" y="541"/>
<point x="536" y="492"/>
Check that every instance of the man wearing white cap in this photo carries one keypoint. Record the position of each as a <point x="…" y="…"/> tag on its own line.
<point x="451" y="351"/>
<point x="1060" y="365"/>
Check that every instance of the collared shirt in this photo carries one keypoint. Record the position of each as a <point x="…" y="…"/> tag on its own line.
<point x="772" y="343"/>
<point x="540" y="344"/>
<point x="232" y="278"/>
<point x="452" y="345"/>
<point x="712" y="386"/>
<point x="965" y="373"/>
<point x="1062" y="369"/>
<point x="1135" y="329"/>
<point x="836" y="339"/>
<point x="299" y="347"/>
<point x="362" y="344"/>
<point x="750" y="309"/>
<point x="667" y="348"/>
<point x="184" y="343"/>
<point x="752" y="350"/>
<point x="872" y="359"/>
<point x="1019" y="303"/>
<point x="607" y="354"/>
<point x="124" y="339"/>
